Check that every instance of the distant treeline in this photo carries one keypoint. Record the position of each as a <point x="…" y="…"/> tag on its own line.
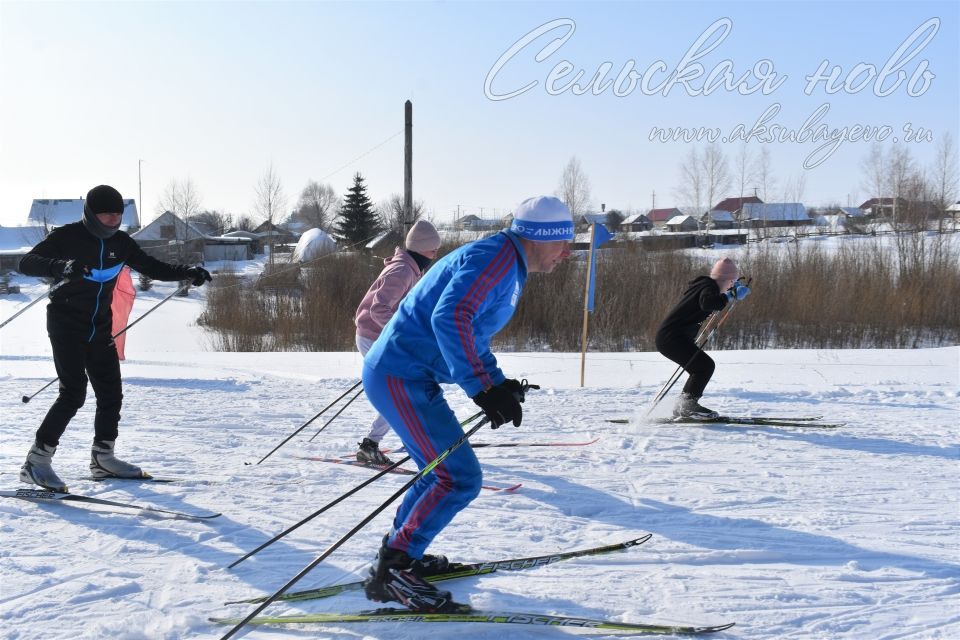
<point x="863" y="294"/>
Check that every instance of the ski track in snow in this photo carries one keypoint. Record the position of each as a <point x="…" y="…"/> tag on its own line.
<point x="791" y="533"/>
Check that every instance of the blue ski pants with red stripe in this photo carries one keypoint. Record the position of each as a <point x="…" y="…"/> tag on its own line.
<point x="421" y="417"/>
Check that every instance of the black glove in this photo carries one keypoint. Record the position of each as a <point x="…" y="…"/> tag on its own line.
<point x="500" y="405"/>
<point x="198" y="275"/>
<point x="519" y="389"/>
<point x="70" y="270"/>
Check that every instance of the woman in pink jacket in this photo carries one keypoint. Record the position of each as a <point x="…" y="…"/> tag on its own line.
<point x="400" y="272"/>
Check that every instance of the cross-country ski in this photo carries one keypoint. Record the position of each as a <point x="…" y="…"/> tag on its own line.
<point x="398" y="470"/>
<point x="485" y="617"/>
<point x="759" y="421"/>
<point x="42" y="495"/>
<point x="459" y="570"/>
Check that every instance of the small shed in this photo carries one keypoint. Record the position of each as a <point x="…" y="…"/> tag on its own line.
<point x="682" y="223"/>
<point x="719" y="219"/>
<point x="384" y="244"/>
<point x="637" y="222"/>
<point x="227" y="248"/>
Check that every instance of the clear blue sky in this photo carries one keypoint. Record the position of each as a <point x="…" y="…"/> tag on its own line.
<point x="217" y="91"/>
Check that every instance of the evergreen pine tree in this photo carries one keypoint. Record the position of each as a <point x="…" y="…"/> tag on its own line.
<point x="358" y="222"/>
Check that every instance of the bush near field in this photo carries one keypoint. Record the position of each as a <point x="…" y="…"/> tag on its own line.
<point x="865" y="294"/>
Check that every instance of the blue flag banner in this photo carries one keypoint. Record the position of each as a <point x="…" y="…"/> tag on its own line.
<point x="600" y="235"/>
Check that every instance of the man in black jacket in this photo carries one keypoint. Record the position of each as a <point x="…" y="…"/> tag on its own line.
<point x="676" y="337"/>
<point x="88" y="255"/>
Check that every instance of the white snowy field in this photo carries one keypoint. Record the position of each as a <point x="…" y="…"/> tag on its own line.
<point x="790" y="533"/>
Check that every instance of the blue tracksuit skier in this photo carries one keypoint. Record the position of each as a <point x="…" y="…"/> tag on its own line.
<point x="441" y="334"/>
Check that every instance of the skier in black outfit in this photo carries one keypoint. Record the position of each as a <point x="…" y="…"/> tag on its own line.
<point x="88" y="255"/>
<point x="676" y="337"/>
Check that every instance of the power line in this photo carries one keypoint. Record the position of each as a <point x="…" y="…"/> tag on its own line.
<point x="365" y="153"/>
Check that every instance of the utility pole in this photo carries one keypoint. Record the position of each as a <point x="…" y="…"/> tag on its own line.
<point x="653" y="196"/>
<point x="407" y="167"/>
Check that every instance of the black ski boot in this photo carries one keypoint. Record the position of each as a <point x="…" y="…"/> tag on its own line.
<point x="369" y="451"/>
<point x="393" y="579"/>
<point x="428" y="565"/>
<point x="688" y="408"/>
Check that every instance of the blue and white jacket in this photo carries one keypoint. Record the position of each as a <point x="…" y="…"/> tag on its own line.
<point x="442" y="329"/>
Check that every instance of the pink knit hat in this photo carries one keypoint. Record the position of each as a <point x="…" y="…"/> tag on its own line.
<point x="725" y="269"/>
<point x="422" y="237"/>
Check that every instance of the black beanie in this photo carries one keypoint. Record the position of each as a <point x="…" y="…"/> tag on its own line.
<point x="101" y="199"/>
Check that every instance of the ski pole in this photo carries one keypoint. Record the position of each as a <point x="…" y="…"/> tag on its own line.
<point x="26" y="399"/>
<point x="327" y="423"/>
<point x="319" y="511"/>
<point x="304" y="425"/>
<point x="373" y="514"/>
<point x="701" y="340"/>
<point x="334" y="502"/>
<point x="32" y="302"/>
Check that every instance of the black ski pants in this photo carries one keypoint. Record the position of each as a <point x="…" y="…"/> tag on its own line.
<point x="76" y="362"/>
<point x="685" y="352"/>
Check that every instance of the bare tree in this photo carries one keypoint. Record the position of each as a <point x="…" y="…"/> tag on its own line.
<point x="393" y="213"/>
<point x="317" y="205"/>
<point x="244" y="222"/>
<point x="269" y="202"/>
<point x="944" y="175"/>
<point x="574" y="188"/>
<point x="181" y="197"/>
<point x="763" y="174"/>
<point x="899" y="170"/>
<point x="217" y="221"/>
<point x="794" y="189"/>
<point x="875" y="173"/>
<point x="716" y="174"/>
<point x="910" y="219"/>
<point x="692" y="188"/>
<point x="744" y="167"/>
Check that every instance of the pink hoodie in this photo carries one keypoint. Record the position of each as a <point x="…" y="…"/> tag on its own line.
<point x="400" y="273"/>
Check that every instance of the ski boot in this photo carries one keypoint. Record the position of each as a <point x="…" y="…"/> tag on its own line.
<point x="688" y="408"/>
<point x="369" y="451"/>
<point x="38" y="468"/>
<point x="103" y="464"/>
<point x="393" y="578"/>
<point x="429" y="564"/>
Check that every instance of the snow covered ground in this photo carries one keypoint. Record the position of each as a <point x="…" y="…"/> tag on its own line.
<point x="790" y="533"/>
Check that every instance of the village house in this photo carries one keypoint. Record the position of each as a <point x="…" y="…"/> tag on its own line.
<point x="51" y="213"/>
<point x="775" y="214"/>
<point x="637" y="222"/>
<point x="659" y="217"/>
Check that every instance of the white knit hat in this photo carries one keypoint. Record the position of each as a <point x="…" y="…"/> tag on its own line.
<point x="724" y="269"/>
<point x="543" y="219"/>
<point x="422" y="237"/>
